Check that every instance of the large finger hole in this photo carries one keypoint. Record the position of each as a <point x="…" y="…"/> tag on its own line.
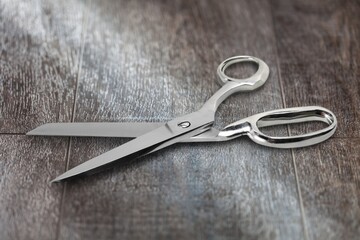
<point x="305" y="122"/>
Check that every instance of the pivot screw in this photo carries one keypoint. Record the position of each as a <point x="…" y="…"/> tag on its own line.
<point x="185" y="124"/>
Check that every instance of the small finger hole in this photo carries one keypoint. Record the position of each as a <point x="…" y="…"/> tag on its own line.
<point x="242" y="70"/>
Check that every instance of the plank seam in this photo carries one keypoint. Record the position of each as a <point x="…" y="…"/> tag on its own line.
<point x="82" y="46"/>
<point x="298" y="189"/>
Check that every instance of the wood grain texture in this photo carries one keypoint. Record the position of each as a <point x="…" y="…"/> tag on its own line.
<point x="319" y="56"/>
<point x="29" y="205"/>
<point x="39" y="50"/>
<point x="155" y="60"/>
<point x="330" y="186"/>
<point x="92" y="60"/>
<point x="185" y="192"/>
<point x="39" y="46"/>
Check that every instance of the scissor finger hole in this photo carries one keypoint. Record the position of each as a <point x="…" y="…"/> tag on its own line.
<point x="300" y="116"/>
<point x="259" y="67"/>
<point x="241" y="70"/>
<point x="299" y="128"/>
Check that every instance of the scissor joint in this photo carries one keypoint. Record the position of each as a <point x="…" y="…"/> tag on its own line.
<point x="235" y="129"/>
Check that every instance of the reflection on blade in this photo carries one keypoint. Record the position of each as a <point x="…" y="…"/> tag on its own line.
<point x="118" y="129"/>
<point x="137" y="146"/>
<point x="94" y="129"/>
<point x="141" y="145"/>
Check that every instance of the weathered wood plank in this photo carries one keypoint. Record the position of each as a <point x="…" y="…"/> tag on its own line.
<point x="203" y="194"/>
<point x="155" y="60"/>
<point x="319" y="54"/>
<point x="39" y="59"/>
<point x="39" y="52"/>
<point x="330" y="186"/>
<point x="29" y="205"/>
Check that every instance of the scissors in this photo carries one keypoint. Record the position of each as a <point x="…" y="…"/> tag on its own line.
<point x="196" y="126"/>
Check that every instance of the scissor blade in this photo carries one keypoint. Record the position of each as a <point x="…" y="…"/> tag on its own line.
<point x="128" y="149"/>
<point x="96" y="129"/>
<point x="116" y="129"/>
<point x="144" y="144"/>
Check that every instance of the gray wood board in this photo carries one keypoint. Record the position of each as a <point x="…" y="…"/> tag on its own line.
<point x="153" y="61"/>
<point x="39" y="51"/>
<point x="40" y="47"/>
<point x="319" y="52"/>
<point x="29" y="205"/>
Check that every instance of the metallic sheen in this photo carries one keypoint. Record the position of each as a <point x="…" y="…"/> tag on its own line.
<point x="249" y="126"/>
<point x="196" y="127"/>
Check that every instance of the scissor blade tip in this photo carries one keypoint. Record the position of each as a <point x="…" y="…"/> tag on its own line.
<point x="58" y="179"/>
<point x="55" y="180"/>
<point x="66" y="175"/>
<point x="33" y="132"/>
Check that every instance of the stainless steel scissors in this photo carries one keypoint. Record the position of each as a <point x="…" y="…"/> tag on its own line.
<point x="197" y="126"/>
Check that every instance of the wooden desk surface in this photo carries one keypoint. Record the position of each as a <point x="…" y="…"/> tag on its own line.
<point x="83" y="60"/>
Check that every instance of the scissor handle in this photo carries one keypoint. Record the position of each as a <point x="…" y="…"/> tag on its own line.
<point x="232" y="85"/>
<point x="250" y="126"/>
<point x="252" y="82"/>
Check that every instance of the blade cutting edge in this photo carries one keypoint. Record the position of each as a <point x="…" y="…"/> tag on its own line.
<point x="132" y="147"/>
<point x="96" y="129"/>
<point x="171" y="132"/>
<point x="113" y="129"/>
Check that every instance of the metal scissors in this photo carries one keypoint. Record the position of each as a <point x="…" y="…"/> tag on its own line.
<point x="197" y="126"/>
